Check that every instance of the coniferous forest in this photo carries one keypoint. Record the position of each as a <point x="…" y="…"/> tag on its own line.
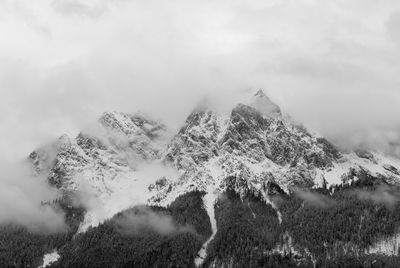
<point x="332" y="230"/>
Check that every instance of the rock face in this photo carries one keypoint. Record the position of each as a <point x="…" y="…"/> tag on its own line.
<point x="254" y="149"/>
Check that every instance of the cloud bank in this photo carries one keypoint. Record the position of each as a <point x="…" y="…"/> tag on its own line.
<point x="21" y="200"/>
<point x="333" y="66"/>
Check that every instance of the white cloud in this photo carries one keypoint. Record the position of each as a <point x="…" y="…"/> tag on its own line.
<point x="21" y="197"/>
<point x="333" y="65"/>
<point x="141" y="218"/>
<point x="382" y="195"/>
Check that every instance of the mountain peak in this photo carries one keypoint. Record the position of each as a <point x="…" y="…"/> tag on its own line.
<point x="264" y="105"/>
<point x="261" y="94"/>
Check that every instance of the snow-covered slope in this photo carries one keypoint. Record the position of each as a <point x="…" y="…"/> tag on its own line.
<point x="106" y="169"/>
<point x="254" y="149"/>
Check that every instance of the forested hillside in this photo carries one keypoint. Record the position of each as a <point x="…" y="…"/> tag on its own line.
<point x="133" y="239"/>
<point x="20" y="247"/>
<point x="328" y="228"/>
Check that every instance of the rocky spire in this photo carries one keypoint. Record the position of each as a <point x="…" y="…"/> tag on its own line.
<point x="261" y="94"/>
<point x="263" y="104"/>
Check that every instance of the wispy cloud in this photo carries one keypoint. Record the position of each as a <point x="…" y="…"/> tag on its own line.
<point x="313" y="198"/>
<point x="140" y="218"/>
<point x="384" y="195"/>
<point x="92" y="9"/>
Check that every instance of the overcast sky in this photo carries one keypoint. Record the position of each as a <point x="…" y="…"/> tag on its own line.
<point x="333" y="65"/>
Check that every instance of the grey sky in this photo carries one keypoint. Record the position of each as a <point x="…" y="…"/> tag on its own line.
<point x="333" y="65"/>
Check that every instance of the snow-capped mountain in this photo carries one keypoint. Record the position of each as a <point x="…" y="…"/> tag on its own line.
<point x="254" y="146"/>
<point x="253" y="149"/>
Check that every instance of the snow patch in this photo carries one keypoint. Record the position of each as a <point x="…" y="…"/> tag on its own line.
<point x="209" y="202"/>
<point x="49" y="259"/>
<point x="269" y="201"/>
<point x="387" y="246"/>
